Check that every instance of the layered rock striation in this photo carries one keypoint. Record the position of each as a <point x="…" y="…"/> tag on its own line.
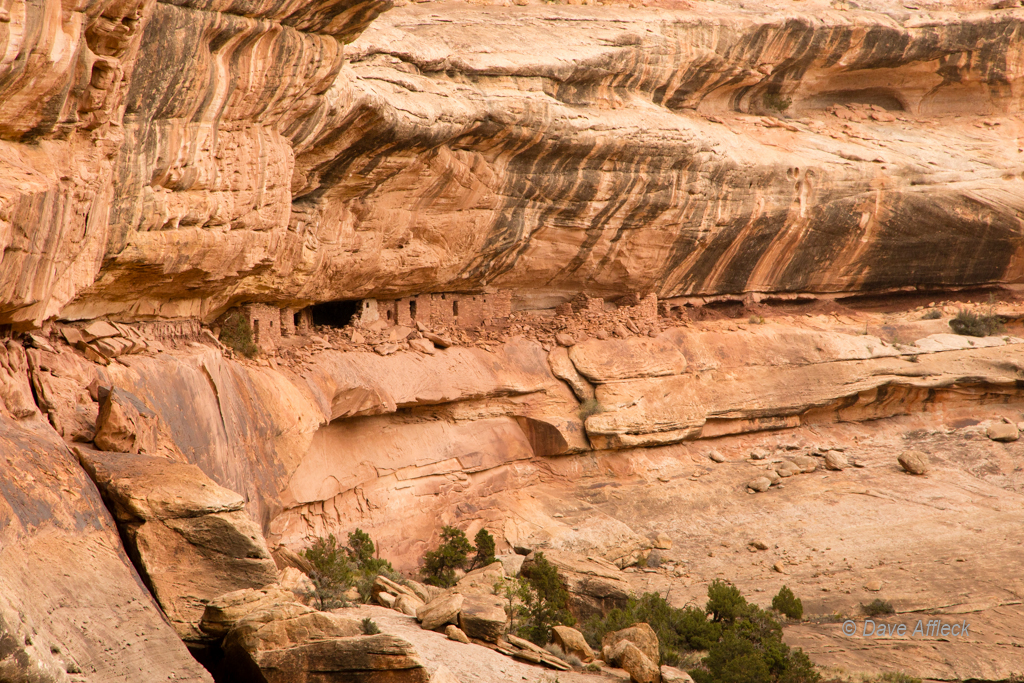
<point x="172" y="159"/>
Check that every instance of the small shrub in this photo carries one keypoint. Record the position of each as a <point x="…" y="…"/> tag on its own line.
<point x="333" y="573"/>
<point x="725" y="602"/>
<point x="787" y="603"/>
<point x="756" y="320"/>
<point x="235" y="333"/>
<point x="536" y="601"/>
<point x="593" y="667"/>
<point x="439" y="565"/>
<point x="370" y="627"/>
<point x="484" y="548"/>
<point x="878" y="607"/>
<point x="589" y="407"/>
<point x="336" y="569"/>
<point x="678" y="629"/>
<point x="776" y="102"/>
<point x="975" y="325"/>
<point x="570" y="659"/>
<point x="933" y="314"/>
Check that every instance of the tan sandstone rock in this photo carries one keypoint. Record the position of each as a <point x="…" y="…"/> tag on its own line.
<point x="1001" y="431"/>
<point x="641" y="635"/>
<point x="914" y="462"/>
<point x="442" y="610"/>
<point x="483" y="617"/>
<point x="572" y="642"/>
<point x="191" y="538"/>
<point x="595" y="585"/>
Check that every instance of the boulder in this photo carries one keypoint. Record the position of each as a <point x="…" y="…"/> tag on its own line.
<point x="760" y="484"/>
<point x="662" y="541"/>
<point x="572" y="642"/>
<point x="512" y="564"/>
<point x="284" y="625"/>
<point x="385" y="599"/>
<point x="670" y="674"/>
<point x="298" y="583"/>
<point x="641" y="635"/>
<point x="914" y="462"/>
<point x="805" y="463"/>
<point x="125" y="424"/>
<point x="835" y="461"/>
<point x="384" y="584"/>
<point x="408" y="604"/>
<point x="455" y="633"/>
<point x="483" y="617"/>
<point x="481" y="580"/>
<point x="286" y="557"/>
<point x="444" y="609"/>
<point x="759" y="454"/>
<point x="1001" y="431"/>
<point x="773" y="477"/>
<point x="595" y="585"/>
<point x="640" y="667"/>
<point x="190" y="539"/>
<point x="716" y="456"/>
<point x="293" y="644"/>
<point x="423" y="591"/>
<point x="788" y="468"/>
<point x="223" y="612"/>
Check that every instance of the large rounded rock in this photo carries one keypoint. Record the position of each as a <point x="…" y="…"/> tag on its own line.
<point x="641" y="635"/>
<point x="442" y="610"/>
<point x="806" y="463"/>
<point x="483" y="617"/>
<point x="223" y="612"/>
<point x="835" y="461"/>
<point x="1001" y="431"/>
<point x="670" y="674"/>
<point x="637" y="664"/>
<point x="407" y="604"/>
<point x="572" y="642"/>
<point x="760" y="484"/>
<point x="914" y="462"/>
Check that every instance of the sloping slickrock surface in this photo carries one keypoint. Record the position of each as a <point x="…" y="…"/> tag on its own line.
<point x="189" y="537"/>
<point x="69" y="597"/>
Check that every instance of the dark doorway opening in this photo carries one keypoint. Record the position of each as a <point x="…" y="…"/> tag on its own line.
<point x="335" y="313"/>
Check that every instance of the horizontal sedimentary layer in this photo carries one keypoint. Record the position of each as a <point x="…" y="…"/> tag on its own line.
<point x="548" y="149"/>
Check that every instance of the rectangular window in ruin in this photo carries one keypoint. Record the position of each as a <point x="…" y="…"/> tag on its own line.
<point x="412" y="310"/>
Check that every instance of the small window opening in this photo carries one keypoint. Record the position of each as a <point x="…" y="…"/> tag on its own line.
<point x="455" y="308"/>
<point x="412" y="310"/>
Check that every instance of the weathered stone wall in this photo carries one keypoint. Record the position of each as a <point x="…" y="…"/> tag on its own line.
<point x="679" y="152"/>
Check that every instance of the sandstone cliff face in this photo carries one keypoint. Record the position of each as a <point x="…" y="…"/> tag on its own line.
<point x="167" y="159"/>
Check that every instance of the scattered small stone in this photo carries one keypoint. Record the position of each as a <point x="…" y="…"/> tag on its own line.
<point x="873" y="585"/>
<point x="565" y="339"/>
<point x="662" y="541"/>
<point x="759" y="454"/>
<point x="716" y="456"/>
<point x="914" y="462"/>
<point x="805" y="462"/>
<point x="1000" y="431"/>
<point x="779" y="568"/>
<point x="457" y="634"/>
<point x="835" y="461"/>
<point x="759" y="544"/>
<point x="760" y="484"/>
<point x="386" y="349"/>
<point x="621" y="332"/>
<point x="773" y="476"/>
